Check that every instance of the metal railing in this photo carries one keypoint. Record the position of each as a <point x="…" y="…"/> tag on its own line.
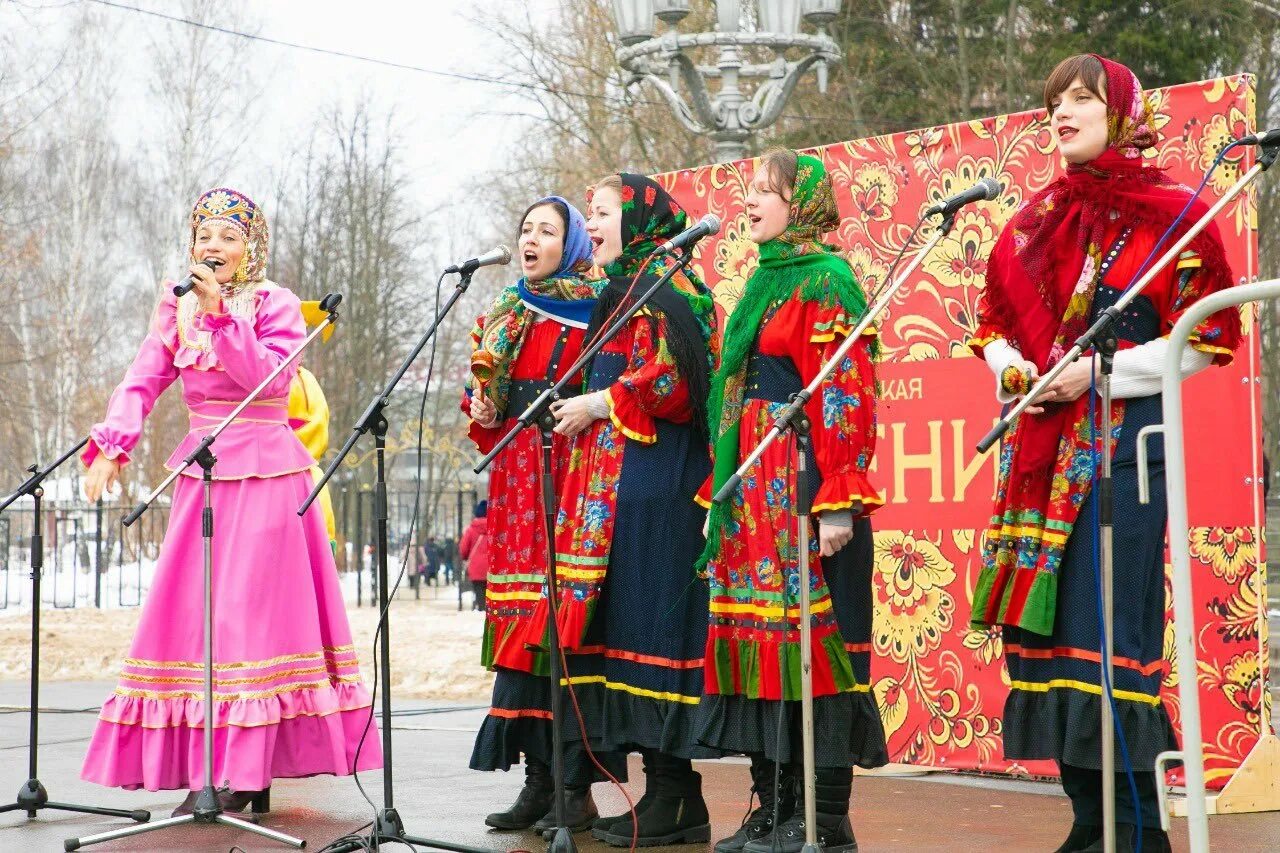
<point x="92" y="560"/>
<point x="1175" y="473"/>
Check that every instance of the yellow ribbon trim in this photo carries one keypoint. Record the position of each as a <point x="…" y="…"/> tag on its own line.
<point x="635" y="691"/>
<point x="631" y="434"/>
<point x="767" y="611"/>
<point x="1083" y="686"/>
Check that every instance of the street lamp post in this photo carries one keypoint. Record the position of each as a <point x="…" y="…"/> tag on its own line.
<point x="730" y="116"/>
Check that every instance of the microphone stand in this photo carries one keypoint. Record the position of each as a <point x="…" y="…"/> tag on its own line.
<point x="1101" y="336"/>
<point x="387" y="827"/>
<point x="208" y="809"/>
<point x="793" y="417"/>
<point x="539" y="412"/>
<point x="32" y="796"/>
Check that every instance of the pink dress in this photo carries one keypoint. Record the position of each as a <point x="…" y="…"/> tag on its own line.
<point x="288" y="700"/>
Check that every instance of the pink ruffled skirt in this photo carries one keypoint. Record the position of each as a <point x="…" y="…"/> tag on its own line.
<point x="288" y="700"/>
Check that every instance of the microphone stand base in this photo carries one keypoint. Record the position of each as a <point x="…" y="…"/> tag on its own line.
<point x="389" y="829"/>
<point x="562" y="842"/>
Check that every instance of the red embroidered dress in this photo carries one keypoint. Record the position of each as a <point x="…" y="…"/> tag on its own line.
<point x="517" y="537"/>
<point x="796" y="311"/>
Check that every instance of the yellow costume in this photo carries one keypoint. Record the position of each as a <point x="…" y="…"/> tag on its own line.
<point x="309" y="417"/>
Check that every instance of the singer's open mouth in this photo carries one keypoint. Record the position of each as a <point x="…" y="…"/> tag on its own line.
<point x="596" y="243"/>
<point x="1066" y="132"/>
<point x="530" y="257"/>
<point x="753" y="219"/>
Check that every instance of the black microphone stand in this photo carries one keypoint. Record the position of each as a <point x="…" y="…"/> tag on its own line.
<point x="539" y="412"/>
<point x="208" y="809"/>
<point x="32" y="796"/>
<point x="388" y="826"/>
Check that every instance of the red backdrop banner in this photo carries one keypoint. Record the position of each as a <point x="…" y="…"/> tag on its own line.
<point x="941" y="687"/>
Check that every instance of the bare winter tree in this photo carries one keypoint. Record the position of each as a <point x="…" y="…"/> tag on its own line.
<point x="70" y="174"/>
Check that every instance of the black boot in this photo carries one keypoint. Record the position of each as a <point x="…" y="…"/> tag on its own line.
<point x="1155" y="841"/>
<point x="1124" y="840"/>
<point x="677" y="814"/>
<point x="531" y="804"/>
<point x="604" y="825"/>
<point x="833" y="787"/>
<point x="759" y="824"/>
<point x="1080" y="837"/>
<point x="579" y="812"/>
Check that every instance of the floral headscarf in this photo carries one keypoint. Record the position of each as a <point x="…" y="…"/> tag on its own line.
<point x="228" y="206"/>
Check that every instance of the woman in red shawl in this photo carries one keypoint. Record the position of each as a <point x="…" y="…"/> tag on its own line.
<point x="1068" y="254"/>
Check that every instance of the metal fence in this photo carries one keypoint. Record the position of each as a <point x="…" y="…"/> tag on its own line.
<point x="92" y="560"/>
<point x="443" y="515"/>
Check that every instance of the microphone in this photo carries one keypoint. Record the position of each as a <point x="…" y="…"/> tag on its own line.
<point x="1267" y="137"/>
<point x="984" y="190"/>
<point x="707" y="225"/>
<point x="189" y="283"/>
<point x="498" y="255"/>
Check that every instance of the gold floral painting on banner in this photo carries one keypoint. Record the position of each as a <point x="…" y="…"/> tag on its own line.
<point x="941" y="687"/>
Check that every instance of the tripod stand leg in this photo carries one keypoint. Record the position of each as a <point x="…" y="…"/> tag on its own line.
<point x="32" y="796"/>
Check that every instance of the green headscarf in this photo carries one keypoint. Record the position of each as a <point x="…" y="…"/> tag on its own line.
<point x="795" y="263"/>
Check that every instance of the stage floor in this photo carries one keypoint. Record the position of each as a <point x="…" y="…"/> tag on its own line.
<point x="439" y="798"/>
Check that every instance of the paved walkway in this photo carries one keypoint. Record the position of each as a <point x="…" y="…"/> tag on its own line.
<point x="438" y="797"/>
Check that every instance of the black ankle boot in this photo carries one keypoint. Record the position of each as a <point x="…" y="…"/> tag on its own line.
<point x="604" y="825"/>
<point x="1080" y="837"/>
<point x="532" y="803"/>
<point x="833" y="787"/>
<point x="677" y="814"/>
<point x="1155" y="841"/>
<point x="1124" y="840"/>
<point x="759" y="824"/>
<point x="579" y="812"/>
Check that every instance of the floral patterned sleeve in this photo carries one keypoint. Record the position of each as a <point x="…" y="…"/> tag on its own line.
<point x="1218" y="334"/>
<point x="650" y="387"/>
<point x="843" y="414"/>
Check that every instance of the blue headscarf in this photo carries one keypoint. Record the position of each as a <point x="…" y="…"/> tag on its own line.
<point x="575" y="259"/>
<point x="563" y="296"/>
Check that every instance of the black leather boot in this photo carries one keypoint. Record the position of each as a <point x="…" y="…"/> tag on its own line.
<point x="1080" y="837"/>
<point x="1124" y="840"/>
<point x="677" y="814"/>
<point x="759" y="824"/>
<point x="579" y="812"/>
<point x="833" y="787"/>
<point x="1155" y="841"/>
<point x="532" y="803"/>
<point x="604" y="825"/>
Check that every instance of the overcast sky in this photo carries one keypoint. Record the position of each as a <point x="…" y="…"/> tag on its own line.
<point x="449" y="126"/>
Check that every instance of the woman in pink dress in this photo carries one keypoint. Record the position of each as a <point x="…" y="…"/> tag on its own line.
<point x="288" y="699"/>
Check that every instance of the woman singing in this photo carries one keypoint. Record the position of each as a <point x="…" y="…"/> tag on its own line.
<point x="627" y="532"/>
<point x="796" y="310"/>
<point x="527" y="341"/>
<point x="288" y="700"/>
<point x="1066" y="255"/>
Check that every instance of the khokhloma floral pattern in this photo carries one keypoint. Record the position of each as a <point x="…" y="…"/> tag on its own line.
<point x="941" y="687"/>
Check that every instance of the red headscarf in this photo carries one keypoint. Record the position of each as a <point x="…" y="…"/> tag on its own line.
<point x="1043" y="270"/>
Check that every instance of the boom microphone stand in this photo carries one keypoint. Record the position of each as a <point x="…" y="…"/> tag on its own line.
<point x="32" y="796"/>
<point x="387" y="827"/>
<point x="792" y="417"/>
<point x="539" y="412"/>
<point x="208" y="810"/>
<point x="1101" y="336"/>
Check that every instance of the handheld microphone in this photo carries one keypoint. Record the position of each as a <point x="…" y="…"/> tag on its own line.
<point x="498" y="255"/>
<point x="1266" y="137"/>
<point x="706" y="226"/>
<point x="189" y="283"/>
<point x="984" y="190"/>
